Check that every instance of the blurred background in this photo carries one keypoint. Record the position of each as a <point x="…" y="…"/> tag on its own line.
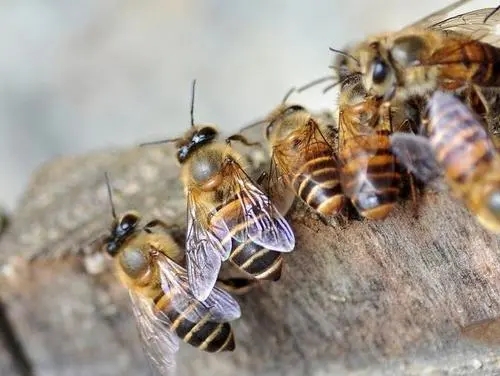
<point x="79" y="76"/>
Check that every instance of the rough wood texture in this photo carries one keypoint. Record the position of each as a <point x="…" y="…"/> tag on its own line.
<point x="362" y="298"/>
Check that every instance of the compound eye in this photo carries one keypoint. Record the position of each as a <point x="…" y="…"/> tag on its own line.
<point x="380" y="71"/>
<point x="134" y="262"/>
<point x="207" y="133"/>
<point x="128" y="222"/>
<point x="292" y="109"/>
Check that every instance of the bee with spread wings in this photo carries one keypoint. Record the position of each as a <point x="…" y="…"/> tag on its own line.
<point x="149" y="263"/>
<point x="459" y="146"/>
<point x="228" y="215"/>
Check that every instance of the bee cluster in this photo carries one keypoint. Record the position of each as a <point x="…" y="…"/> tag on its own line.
<point x="413" y="106"/>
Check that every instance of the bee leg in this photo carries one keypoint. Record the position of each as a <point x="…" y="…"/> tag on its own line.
<point x="240" y="138"/>
<point x="414" y="199"/>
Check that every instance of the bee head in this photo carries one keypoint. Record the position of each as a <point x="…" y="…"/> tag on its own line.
<point x="281" y="121"/>
<point x="197" y="137"/>
<point x="121" y="229"/>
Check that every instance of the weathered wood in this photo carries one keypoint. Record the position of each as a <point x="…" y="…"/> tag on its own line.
<point x="365" y="297"/>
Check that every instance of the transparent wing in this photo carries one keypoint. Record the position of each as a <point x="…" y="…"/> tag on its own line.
<point x="473" y="24"/>
<point x="159" y="342"/>
<point x="204" y="249"/>
<point x="219" y="306"/>
<point x="415" y="153"/>
<point x="438" y="16"/>
<point x="261" y="221"/>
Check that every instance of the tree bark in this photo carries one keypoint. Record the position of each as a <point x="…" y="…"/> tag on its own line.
<point x="360" y="297"/>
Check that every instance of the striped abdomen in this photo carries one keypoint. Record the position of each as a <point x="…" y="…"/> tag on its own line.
<point x="468" y="61"/>
<point x="316" y="179"/>
<point x="461" y="144"/>
<point x="252" y="258"/>
<point x="204" y="334"/>
<point x="370" y="176"/>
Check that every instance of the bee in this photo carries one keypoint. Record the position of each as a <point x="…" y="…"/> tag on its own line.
<point x="228" y="216"/>
<point x="149" y="263"/>
<point x="456" y="54"/>
<point x="302" y="159"/>
<point x="459" y="145"/>
<point x="370" y="175"/>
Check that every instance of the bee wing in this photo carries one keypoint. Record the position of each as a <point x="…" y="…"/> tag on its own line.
<point x="416" y="154"/>
<point x="473" y="24"/>
<point x="205" y="250"/>
<point x="159" y="342"/>
<point x="219" y="305"/>
<point x="264" y="224"/>
<point x="437" y="16"/>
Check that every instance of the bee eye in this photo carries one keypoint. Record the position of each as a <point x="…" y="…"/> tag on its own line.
<point x="128" y="222"/>
<point x="380" y="71"/>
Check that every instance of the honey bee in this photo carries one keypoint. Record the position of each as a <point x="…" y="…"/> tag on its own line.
<point x="370" y="176"/>
<point x="459" y="145"/>
<point x="228" y="215"/>
<point x="456" y="54"/>
<point x="302" y="159"/>
<point x="149" y="263"/>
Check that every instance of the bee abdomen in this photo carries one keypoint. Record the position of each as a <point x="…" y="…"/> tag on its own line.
<point x="256" y="260"/>
<point x="317" y="183"/>
<point x="462" y="146"/>
<point x="205" y="335"/>
<point x="487" y="72"/>
<point x="370" y="177"/>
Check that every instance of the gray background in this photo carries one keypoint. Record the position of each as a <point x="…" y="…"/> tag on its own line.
<point x="77" y="76"/>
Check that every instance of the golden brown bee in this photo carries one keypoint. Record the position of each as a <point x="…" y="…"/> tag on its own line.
<point x="302" y="159"/>
<point x="228" y="215"/>
<point x="369" y="171"/>
<point x="458" y="144"/>
<point x="149" y="263"/>
<point x="435" y="53"/>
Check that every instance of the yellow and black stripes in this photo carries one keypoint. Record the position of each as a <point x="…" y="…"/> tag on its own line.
<point x="205" y="335"/>
<point x="317" y="181"/>
<point x="461" y="147"/>
<point x="250" y="257"/>
<point x="370" y="175"/>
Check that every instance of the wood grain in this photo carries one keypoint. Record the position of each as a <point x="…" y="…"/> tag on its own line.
<point x="361" y="298"/>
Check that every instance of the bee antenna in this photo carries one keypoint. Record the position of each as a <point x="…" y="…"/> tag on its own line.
<point x="339" y="82"/>
<point x="288" y="93"/>
<point x="315" y="82"/>
<point x="343" y="53"/>
<point x="159" y="142"/>
<point x="110" y="195"/>
<point x="193" y="88"/>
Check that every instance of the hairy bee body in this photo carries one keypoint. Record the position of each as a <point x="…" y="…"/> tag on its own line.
<point x="304" y="158"/>
<point x="229" y="216"/>
<point x="439" y="52"/>
<point x="370" y="173"/>
<point x="468" y="156"/>
<point x="458" y="145"/>
<point x="140" y="248"/>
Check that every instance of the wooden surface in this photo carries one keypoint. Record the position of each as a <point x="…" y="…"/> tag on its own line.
<point x="361" y="298"/>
